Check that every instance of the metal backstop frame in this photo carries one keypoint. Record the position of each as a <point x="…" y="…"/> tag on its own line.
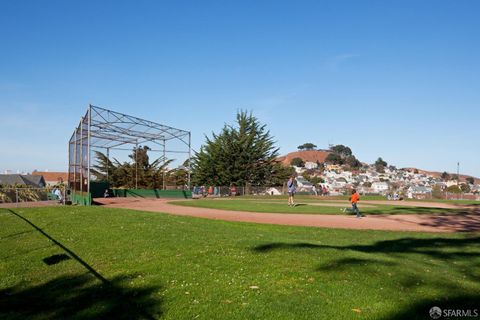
<point x="109" y="130"/>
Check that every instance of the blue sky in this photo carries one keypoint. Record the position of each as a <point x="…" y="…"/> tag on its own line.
<point x="396" y="79"/>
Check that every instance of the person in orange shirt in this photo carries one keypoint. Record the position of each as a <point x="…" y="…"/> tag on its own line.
<point x="354" y="200"/>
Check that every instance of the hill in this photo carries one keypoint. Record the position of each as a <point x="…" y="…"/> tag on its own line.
<point x="321" y="155"/>
<point x="307" y="156"/>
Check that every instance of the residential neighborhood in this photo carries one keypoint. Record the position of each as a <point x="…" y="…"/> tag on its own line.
<point x="410" y="183"/>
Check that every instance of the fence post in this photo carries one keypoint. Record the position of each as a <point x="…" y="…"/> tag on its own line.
<point x="16" y="196"/>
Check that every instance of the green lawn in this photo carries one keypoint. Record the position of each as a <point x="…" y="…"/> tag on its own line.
<point x="453" y="201"/>
<point x="363" y="198"/>
<point x="81" y="263"/>
<point x="307" y="207"/>
<point x="310" y="197"/>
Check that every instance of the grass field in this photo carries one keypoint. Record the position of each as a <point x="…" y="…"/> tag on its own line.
<point x="81" y="262"/>
<point x="307" y="206"/>
<point x="362" y="197"/>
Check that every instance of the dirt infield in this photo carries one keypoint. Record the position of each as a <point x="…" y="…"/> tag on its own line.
<point x="424" y="223"/>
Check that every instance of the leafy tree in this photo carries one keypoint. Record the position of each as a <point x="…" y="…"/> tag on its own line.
<point x="297" y="162"/>
<point x="380" y="165"/>
<point x="241" y="154"/>
<point x="445" y="176"/>
<point x="313" y="179"/>
<point x="454" y="189"/>
<point x="140" y="172"/>
<point x="280" y="174"/>
<point x="437" y="192"/>
<point x="470" y="180"/>
<point x="341" y="150"/>
<point x="454" y="177"/>
<point x="352" y="162"/>
<point x="316" y="180"/>
<point x="307" y="146"/>
<point x="465" y="188"/>
<point x="103" y="167"/>
<point x="334" y="158"/>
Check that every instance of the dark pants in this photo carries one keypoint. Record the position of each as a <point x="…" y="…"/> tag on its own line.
<point x="355" y="209"/>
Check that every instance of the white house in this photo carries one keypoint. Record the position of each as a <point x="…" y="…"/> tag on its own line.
<point x="273" y="192"/>
<point x="311" y="165"/>
<point x="418" y="192"/>
<point x="380" y="187"/>
<point x="303" y="184"/>
<point x="451" y="183"/>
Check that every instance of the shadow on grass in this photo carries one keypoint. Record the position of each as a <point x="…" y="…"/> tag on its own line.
<point x="414" y="210"/>
<point x="76" y="296"/>
<point x="440" y="248"/>
<point x="80" y="297"/>
<point x="56" y="258"/>
<point x="463" y="222"/>
<point x="421" y="309"/>
<point x="346" y="263"/>
<point x="392" y="254"/>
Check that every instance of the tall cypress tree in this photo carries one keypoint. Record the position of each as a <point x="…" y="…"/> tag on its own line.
<point x="240" y="154"/>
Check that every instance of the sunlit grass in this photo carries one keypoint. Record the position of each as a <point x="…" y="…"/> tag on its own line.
<point x="163" y="266"/>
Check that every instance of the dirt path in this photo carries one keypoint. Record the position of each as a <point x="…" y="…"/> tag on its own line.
<point x="425" y="223"/>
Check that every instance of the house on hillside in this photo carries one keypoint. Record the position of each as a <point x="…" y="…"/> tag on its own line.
<point x="418" y="192"/>
<point x="52" y="178"/>
<point x="26" y="180"/>
<point x="311" y="165"/>
<point x="451" y="183"/>
<point x="333" y="167"/>
<point x="303" y="184"/>
<point x="364" y="190"/>
<point x="475" y="188"/>
<point x="380" y="187"/>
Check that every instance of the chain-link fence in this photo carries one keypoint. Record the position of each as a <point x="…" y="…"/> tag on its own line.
<point x="444" y="196"/>
<point x="22" y="195"/>
<point x="226" y="191"/>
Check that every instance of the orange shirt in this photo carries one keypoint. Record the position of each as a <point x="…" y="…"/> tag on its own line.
<point x="355" y="197"/>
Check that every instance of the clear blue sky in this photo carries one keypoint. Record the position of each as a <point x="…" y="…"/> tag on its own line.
<point x="396" y="79"/>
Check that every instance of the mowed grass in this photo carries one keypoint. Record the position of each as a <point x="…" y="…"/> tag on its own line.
<point x="307" y="198"/>
<point x="308" y="207"/>
<point x="81" y="263"/>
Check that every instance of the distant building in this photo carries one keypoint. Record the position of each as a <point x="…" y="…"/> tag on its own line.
<point x="380" y="187"/>
<point x="303" y="184"/>
<point x="311" y="165"/>
<point x="418" y="192"/>
<point x="273" y="192"/>
<point x="11" y="180"/>
<point x="52" y="178"/>
<point x="333" y="167"/>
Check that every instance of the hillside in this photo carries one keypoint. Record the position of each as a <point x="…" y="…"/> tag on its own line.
<point x="321" y="155"/>
<point x="307" y="156"/>
<point x="439" y="174"/>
